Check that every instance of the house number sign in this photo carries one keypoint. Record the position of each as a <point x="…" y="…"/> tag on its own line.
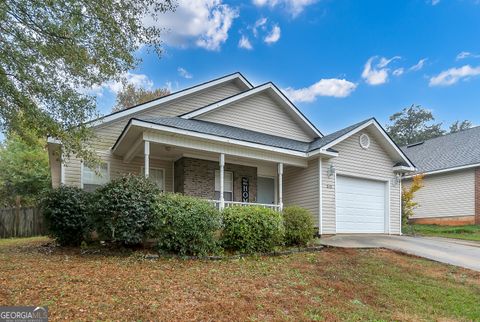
<point x="245" y="190"/>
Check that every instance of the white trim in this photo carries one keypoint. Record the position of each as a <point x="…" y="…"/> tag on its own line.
<point x="268" y="86"/>
<point x="156" y="168"/>
<point x="400" y="199"/>
<point x="320" y="197"/>
<point x="387" y="207"/>
<point x="402" y="168"/>
<point x="379" y="128"/>
<point x="321" y="152"/>
<point x="131" y="153"/>
<point x="163" y="100"/>
<point x="463" y="167"/>
<point x="62" y="168"/>
<point x="373" y="178"/>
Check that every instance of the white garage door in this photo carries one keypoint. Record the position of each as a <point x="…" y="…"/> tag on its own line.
<point x="360" y="205"/>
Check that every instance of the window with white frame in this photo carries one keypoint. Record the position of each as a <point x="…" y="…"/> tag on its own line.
<point x="157" y="175"/>
<point x="227" y="186"/>
<point x="94" y="177"/>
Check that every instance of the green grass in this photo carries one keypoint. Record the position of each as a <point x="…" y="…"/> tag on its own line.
<point x="468" y="232"/>
<point x="22" y="241"/>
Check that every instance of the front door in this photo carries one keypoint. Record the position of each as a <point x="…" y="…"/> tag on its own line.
<point x="265" y="190"/>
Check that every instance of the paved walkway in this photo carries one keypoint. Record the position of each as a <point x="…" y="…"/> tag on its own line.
<point x="459" y="253"/>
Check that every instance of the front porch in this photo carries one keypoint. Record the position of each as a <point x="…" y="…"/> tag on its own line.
<point x="224" y="180"/>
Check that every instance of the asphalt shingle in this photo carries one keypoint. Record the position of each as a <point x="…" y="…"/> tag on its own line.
<point x="236" y="133"/>
<point x="448" y="151"/>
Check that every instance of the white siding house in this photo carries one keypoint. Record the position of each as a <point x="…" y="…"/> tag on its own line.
<point x="268" y="152"/>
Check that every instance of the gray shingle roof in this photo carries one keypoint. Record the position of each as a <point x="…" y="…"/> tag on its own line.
<point x="236" y="133"/>
<point x="448" y="151"/>
<point x="230" y="132"/>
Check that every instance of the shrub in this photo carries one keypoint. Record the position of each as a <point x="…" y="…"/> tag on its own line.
<point x="186" y="225"/>
<point x="123" y="209"/>
<point x="298" y="223"/>
<point x="252" y="229"/>
<point x="67" y="216"/>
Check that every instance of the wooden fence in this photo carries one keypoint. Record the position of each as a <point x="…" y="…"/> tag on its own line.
<point x="21" y="222"/>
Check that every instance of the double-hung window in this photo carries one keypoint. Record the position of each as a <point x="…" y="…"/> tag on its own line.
<point x="94" y="177"/>
<point x="227" y="187"/>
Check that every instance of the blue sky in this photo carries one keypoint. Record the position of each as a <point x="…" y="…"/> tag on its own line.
<point x="340" y="61"/>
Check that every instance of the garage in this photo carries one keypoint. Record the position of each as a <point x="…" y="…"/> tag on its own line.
<point x="361" y="205"/>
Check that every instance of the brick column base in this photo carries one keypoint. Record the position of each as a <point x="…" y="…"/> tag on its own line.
<point x="477" y="196"/>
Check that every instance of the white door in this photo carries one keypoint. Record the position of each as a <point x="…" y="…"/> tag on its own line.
<point x="360" y="205"/>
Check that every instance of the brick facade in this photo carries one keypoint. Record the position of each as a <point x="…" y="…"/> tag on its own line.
<point x="477" y="196"/>
<point x="196" y="177"/>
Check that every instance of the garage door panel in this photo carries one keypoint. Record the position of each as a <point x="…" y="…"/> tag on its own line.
<point x="360" y="205"/>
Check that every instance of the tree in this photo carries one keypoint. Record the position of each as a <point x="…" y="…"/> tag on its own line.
<point x="408" y="194"/>
<point x="52" y="52"/>
<point x="130" y="96"/>
<point x="24" y="170"/>
<point x="413" y="124"/>
<point x="458" y="126"/>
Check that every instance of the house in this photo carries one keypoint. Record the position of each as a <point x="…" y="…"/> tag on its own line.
<point x="451" y="165"/>
<point x="235" y="144"/>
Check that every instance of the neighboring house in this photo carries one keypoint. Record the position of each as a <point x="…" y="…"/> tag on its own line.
<point x="451" y="165"/>
<point x="233" y="143"/>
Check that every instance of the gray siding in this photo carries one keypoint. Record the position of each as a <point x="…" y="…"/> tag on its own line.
<point x="301" y="188"/>
<point x="446" y="194"/>
<point x="373" y="163"/>
<point x="258" y="113"/>
<point x="107" y="134"/>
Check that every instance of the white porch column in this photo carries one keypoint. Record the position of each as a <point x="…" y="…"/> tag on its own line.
<point x="146" y="168"/>
<point x="280" y="186"/>
<point x="222" y="179"/>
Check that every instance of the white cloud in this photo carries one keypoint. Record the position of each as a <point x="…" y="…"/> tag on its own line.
<point x="244" y="43"/>
<point x="325" y="87"/>
<point x="453" y="75"/>
<point x="273" y="36"/>
<point x="293" y="7"/>
<point x="138" y="80"/>
<point x="466" y="54"/>
<point x="434" y="2"/>
<point x="398" y="71"/>
<point x="377" y="74"/>
<point x="418" y="65"/>
<point x="260" y="23"/>
<point x="204" y="23"/>
<point x="184" y="73"/>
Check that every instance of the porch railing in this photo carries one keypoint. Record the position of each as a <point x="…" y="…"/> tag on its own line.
<point x="227" y="204"/>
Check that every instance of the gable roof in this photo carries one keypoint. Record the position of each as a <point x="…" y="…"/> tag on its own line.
<point x="269" y="88"/>
<point x="446" y="153"/>
<point x="237" y="76"/>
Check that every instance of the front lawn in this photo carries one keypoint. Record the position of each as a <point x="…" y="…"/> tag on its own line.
<point x="333" y="284"/>
<point x="468" y="232"/>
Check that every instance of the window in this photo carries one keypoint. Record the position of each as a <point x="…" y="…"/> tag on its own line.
<point x="227" y="186"/>
<point x="156" y="175"/>
<point x="92" y="178"/>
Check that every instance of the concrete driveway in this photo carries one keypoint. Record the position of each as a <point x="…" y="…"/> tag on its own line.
<point x="455" y="252"/>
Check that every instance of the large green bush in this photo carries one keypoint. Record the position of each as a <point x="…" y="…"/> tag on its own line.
<point x="123" y="209"/>
<point x="186" y="225"/>
<point x="299" y="227"/>
<point x="252" y="229"/>
<point x="66" y="210"/>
